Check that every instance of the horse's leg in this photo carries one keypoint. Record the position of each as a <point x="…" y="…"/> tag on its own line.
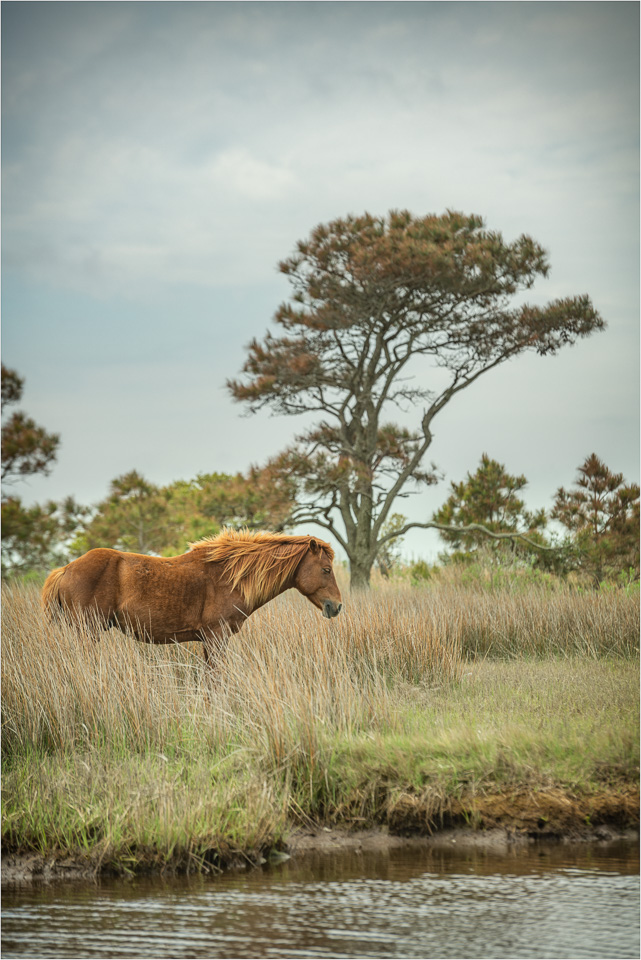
<point x="89" y="622"/>
<point x="214" y="647"/>
<point x="208" y="656"/>
<point x="211" y="653"/>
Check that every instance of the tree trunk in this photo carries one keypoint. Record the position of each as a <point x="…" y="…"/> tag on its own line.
<point x="359" y="573"/>
<point x="359" y="552"/>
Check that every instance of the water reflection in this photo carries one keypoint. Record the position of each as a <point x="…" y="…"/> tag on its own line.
<point x="553" y="901"/>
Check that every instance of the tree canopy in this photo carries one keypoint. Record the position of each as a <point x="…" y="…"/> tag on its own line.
<point x="141" y="517"/>
<point x="35" y="538"/>
<point x="370" y="296"/>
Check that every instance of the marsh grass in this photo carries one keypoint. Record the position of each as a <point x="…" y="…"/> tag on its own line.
<point x="395" y="712"/>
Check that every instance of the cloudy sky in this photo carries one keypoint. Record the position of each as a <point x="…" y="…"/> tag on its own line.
<point x="159" y="159"/>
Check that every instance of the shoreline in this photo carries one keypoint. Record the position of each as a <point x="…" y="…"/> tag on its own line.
<point x="300" y="842"/>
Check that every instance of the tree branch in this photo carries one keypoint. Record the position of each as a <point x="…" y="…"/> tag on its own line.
<point x="297" y="520"/>
<point x="470" y="528"/>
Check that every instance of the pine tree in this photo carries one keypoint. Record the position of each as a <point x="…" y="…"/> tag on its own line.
<point x="488" y="497"/>
<point x="26" y="447"/>
<point x="602" y="515"/>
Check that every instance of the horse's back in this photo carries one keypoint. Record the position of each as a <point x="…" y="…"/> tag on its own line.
<point x="159" y="597"/>
<point x="91" y="580"/>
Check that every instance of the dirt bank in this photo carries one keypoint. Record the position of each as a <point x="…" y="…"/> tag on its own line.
<point x="301" y="841"/>
<point x="497" y="839"/>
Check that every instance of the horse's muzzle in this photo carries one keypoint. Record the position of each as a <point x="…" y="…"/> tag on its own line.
<point x="331" y="609"/>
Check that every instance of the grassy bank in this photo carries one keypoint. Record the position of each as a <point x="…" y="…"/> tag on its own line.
<point x="414" y="709"/>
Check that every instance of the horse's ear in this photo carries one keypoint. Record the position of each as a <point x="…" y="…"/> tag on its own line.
<point x="313" y="546"/>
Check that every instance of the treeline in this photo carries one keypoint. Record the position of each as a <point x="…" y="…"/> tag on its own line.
<point x="597" y="518"/>
<point x="137" y="516"/>
<point x="592" y="528"/>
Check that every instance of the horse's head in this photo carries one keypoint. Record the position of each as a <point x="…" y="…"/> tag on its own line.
<point x="315" y="580"/>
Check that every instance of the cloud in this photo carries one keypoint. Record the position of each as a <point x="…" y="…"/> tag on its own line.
<point x="235" y="169"/>
<point x="173" y="147"/>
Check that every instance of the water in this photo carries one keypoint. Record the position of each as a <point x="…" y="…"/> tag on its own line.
<point x="554" y="901"/>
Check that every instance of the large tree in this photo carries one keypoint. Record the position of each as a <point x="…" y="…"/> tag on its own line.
<point x="372" y="295"/>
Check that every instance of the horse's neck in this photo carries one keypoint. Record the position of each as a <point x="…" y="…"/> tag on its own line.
<point x="276" y="592"/>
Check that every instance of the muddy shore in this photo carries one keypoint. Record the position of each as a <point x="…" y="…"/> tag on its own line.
<point x="21" y="868"/>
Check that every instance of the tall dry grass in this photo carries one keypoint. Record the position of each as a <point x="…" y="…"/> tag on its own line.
<point x="289" y="671"/>
<point x="101" y="734"/>
<point x="537" y="623"/>
<point x="123" y="748"/>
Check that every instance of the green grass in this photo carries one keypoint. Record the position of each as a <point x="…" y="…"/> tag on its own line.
<point x="123" y="754"/>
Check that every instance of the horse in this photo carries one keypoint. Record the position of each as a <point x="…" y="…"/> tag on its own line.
<point x="204" y="594"/>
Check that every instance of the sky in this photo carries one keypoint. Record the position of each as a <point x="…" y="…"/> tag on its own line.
<point x="160" y="159"/>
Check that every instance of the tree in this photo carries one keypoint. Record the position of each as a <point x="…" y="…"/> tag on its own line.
<point x="201" y="507"/>
<point x="602" y="515"/>
<point x="487" y="498"/>
<point x="140" y="517"/>
<point x="31" y="536"/>
<point x="134" y="517"/>
<point x="370" y="297"/>
<point x="26" y="447"/>
<point x="36" y="538"/>
<point x="256" y="500"/>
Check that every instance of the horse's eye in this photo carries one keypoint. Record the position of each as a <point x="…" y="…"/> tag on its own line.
<point x="327" y="570"/>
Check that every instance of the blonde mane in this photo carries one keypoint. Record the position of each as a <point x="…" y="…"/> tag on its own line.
<point x="260" y="563"/>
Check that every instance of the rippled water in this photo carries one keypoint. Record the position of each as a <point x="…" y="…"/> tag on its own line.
<point x="547" y="902"/>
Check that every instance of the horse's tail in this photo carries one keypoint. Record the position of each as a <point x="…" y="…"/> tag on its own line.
<point x="51" y="592"/>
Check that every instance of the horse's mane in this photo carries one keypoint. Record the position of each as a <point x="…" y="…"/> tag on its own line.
<point x="258" y="563"/>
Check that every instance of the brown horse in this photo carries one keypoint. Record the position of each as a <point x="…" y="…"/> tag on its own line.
<point x="205" y="594"/>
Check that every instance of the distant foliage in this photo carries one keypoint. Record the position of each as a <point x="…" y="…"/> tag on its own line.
<point x="134" y="517"/>
<point x="36" y="538"/>
<point x="141" y="517"/>
<point x="420" y="572"/>
<point x="389" y="554"/>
